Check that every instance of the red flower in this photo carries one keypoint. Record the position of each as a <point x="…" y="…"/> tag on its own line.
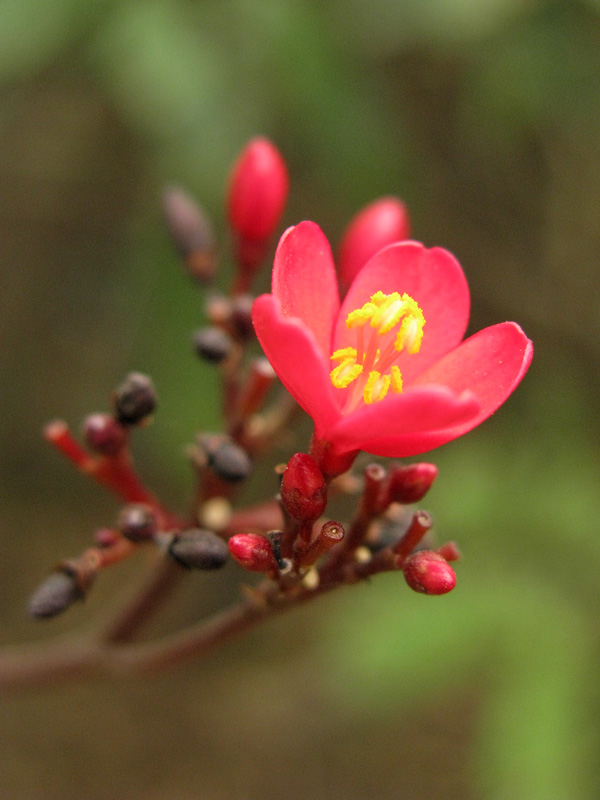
<point x="387" y="372"/>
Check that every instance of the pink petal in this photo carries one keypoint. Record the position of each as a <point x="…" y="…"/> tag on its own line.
<point x="296" y="358"/>
<point x="491" y="364"/>
<point x="434" y="279"/>
<point x="305" y="282"/>
<point x="402" y="416"/>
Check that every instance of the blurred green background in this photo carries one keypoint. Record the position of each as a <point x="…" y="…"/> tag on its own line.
<point x="484" y="115"/>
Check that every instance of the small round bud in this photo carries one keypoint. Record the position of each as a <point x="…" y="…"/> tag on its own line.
<point x="241" y="316"/>
<point x="382" y="222"/>
<point x="137" y="522"/>
<point x="199" y="549"/>
<point x="54" y="595"/>
<point x="212" y="344"/>
<point x="303" y="489"/>
<point x="106" y="537"/>
<point x="253" y="552"/>
<point x="134" y="399"/>
<point x="104" y="434"/>
<point x="258" y="189"/>
<point x="411" y="483"/>
<point x="229" y="462"/>
<point x="191" y="232"/>
<point x="429" y="573"/>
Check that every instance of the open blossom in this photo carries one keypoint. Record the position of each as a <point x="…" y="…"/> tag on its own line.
<point x="387" y="371"/>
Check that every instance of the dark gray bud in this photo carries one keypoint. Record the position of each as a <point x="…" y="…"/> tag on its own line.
<point x="212" y="344"/>
<point x="191" y="232"/>
<point x="137" y="522"/>
<point x="54" y="595"/>
<point x="230" y="462"/>
<point x="134" y="399"/>
<point x="199" y="549"/>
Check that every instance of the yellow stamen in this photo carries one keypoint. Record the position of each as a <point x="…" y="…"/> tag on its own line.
<point x="345" y="373"/>
<point x="360" y="316"/>
<point x="371" y="364"/>
<point x="343" y="354"/>
<point x="396" y="379"/>
<point x="376" y="387"/>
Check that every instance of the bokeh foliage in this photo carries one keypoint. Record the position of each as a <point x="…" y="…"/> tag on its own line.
<point x="484" y="116"/>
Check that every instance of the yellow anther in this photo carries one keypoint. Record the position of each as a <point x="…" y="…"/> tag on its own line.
<point x="389" y="313"/>
<point x="376" y="387"/>
<point x="396" y="379"/>
<point x="411" y="333"/>
<point x="372" y="358"/>
<point x="345" y="373"/>
<point x="379" y="298"/>
<point x="344" y="354"/>
<point x="360" y="316"/>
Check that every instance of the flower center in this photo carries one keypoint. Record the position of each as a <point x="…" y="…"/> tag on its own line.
<point x="385" y="326"/>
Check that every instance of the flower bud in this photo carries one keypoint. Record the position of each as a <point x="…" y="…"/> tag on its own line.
<point x="429" y="573"/>
<point x="134" y="399"/>
<point x="258" y="189"/>
<point x="54" y="595"/>
<point x="106" y="537"/>
<point x="411" y="483"/>
<point x="104" y="434"/>
<point x="199" y="549"/>
<point x="137" y="522"/>
<point x="212" y="344"/>
<point x="381" y="223"/>
<point x="191" y="232"/>
<point x="253" y="552"/>
<point x="303" y="489"/>
<point x="229" y="461"/>
<point x="449" y="551"/>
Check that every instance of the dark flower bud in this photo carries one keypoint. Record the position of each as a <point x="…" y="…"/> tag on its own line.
<point x="104" y="434"/>
<point x="134" y="399"/>
<point x="191" y="232"/>
<point x="212" y="344"/>
<point x="253" y="552"/>
<point x="429" y="573"/>
<point x="241" y="316"/>
<point x="303" y="489"/>
<point x="229" y="461"/>
<point x="137" y="522"/>
<point x="199" y="549"/>
<point x="411" y="483"/>
<point x="54" y="595"/>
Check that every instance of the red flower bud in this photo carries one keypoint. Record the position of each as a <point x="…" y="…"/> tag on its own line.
<point x="104" y="434"/>
<point x="253" y="552"/>
<point x="303" y="489"/>
<point x="258" y="190"/>
<point x="429" y="573"/>
<point x="380" y="223"/>
<point x="449" y="551"/>
<point x="411" y="483"/>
